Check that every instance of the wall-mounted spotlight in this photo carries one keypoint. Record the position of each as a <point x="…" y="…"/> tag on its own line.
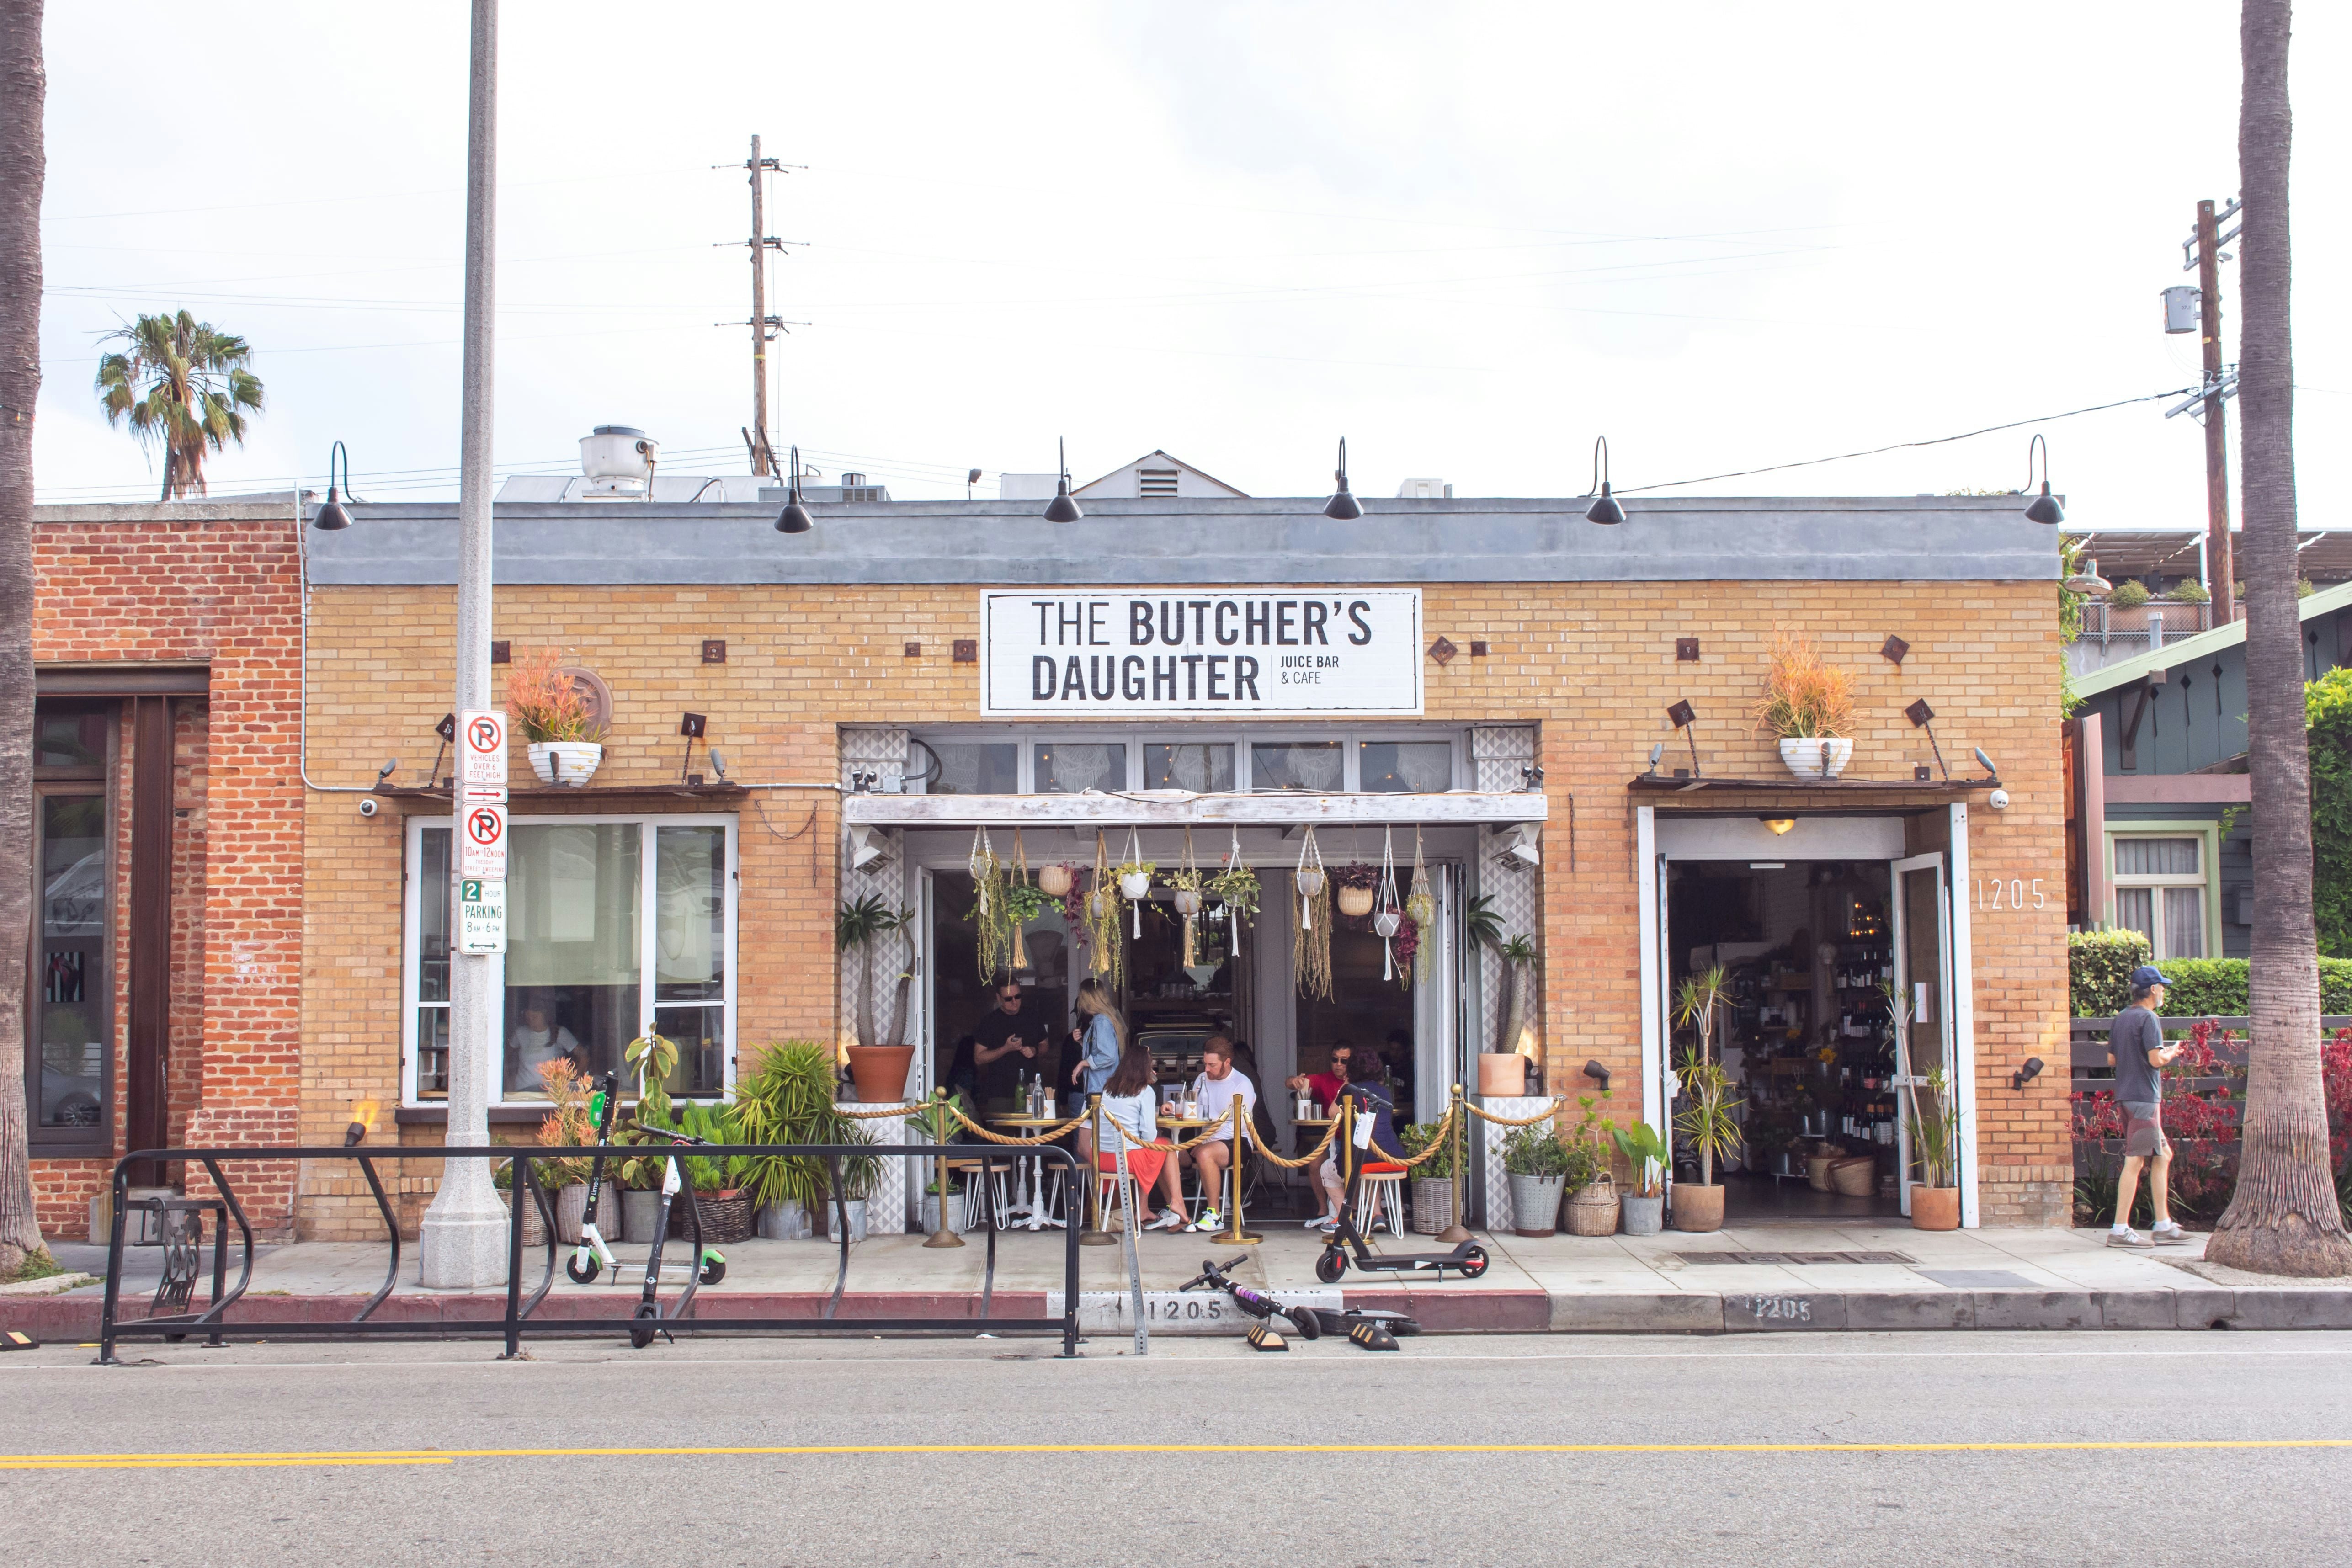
<point x="332" y="517"/>
<point x="2026" y="1073"/>
<point x="1343" y="506"/>
<point x="2045" y="507"/>
<point x="1779" y="825"/>
<point x="385" y="773"/>
<point x="1598" y="1073"/>
<point x="719" y="764"/>
<point x="362" y="1123"/>
<point x="1061" y="509"/>
<point x="1656" y="752"/>
<point x="1685" y="715"/>
<point x="1531" y="780"/>
<point x="1922" y="717"/>
<point x="1605" y="509"/>
<point x="1986" y="763"/>
<point x="795" y="519"/>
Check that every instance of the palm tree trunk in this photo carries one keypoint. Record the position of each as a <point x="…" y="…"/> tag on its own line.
<point x="23" y="88"/>
<point x="2282" y="1218"/>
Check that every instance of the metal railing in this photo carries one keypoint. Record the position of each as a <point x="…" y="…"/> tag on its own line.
<point x="517" y="1321"/>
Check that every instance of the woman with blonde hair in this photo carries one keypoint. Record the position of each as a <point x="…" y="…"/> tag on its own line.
<point x="1101" y="1038"/>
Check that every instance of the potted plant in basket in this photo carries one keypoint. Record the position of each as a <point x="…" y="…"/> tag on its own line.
<point x="1807" y="703"/>
<point x="1935" y="1143"/>
<point x="1644" y="1210"/>
<point x="1708" y="1126"/>
<point x="544" y="703"/>
<point x="1592" y="1202"/>
<point x="1430" y="1183"/>
<point x="1355" y="886"/>
<point x="1537" y="1164"/>
<point x="878" y="1070"/>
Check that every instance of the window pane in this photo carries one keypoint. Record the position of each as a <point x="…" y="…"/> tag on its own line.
<point x="691" y="915"/>
<point x="1309" y="765"/>
<point x="2135" y="911"/>
<point x="2157" y="857"/>
<point x="975" y="768"/>
<point x="72" y="1015"/>
<point x="1203" y="770"/>
<point x="1066" y="769"/>
<point x="1409" y="767"/>
<point x="572" y="961"/>
<point x="433" y="894"/>
<point x="2184" y="923"/>
<point x="75" y="740"/>
<point x="701" y="1037"/>
<point x="433" y="1053"/>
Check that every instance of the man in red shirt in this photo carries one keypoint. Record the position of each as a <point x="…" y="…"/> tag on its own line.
<point x="1327" y="1087"/>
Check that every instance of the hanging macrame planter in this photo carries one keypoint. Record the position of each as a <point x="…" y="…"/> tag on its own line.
<point x="1312" y="937"/>
<point x="988" y="905"/>
<point x="1420" y="908"/>
<point x="1017" y="902"/>
<point x="1187" y="883"/>
<point x="1387" y="916"/>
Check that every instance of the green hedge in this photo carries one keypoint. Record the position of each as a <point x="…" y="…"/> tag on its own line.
<point x="2101" y="962"/>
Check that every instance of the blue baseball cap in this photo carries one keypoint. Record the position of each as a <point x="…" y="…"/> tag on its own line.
<point x="2148" y="975"/>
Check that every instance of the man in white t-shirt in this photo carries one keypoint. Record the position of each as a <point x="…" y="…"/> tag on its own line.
<point x="1218" y="1087"/>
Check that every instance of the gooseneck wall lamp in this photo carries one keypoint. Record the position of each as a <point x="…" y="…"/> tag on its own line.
<point x="333" y="517"/>
<point x="1605" y="509"/>
<point x="1061" y="509"/>
<point x="1343" y="506"/>
<point x="2045" y="507"/>
<point x="795" y="519"/>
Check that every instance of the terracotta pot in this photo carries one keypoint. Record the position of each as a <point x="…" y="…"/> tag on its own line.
<point x="1697" y="1208"/>
<point x="1816" y="756"/>
<point x="1355" y="902"/>
<point x="1935" y="1207"/>
<point x="880" y="1072"/>
<point x="1054" y="881"/>
<point x="1502" y="1074"/>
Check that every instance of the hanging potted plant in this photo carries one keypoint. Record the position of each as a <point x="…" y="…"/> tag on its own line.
<point x="1809" y="704"/>
<point x="543" y="701"/>
<point x="1420" y="914"/>
<point x="1706" y="1123"/>
<point x="1935" y="1144"/>
<point x="1235" y="886"/>
<point x="1055" y="881"/>
<point x="878" y="1070"/>
<point x="1354" y="888"/>
<point x="1098" y="918"/>
<point x="1312" y="936"/>
<point x="1642" y="1209"/>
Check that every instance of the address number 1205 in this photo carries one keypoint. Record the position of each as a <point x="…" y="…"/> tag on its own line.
<point x="2010" y="894"/>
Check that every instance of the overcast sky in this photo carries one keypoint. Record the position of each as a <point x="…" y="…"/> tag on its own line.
<point x="1468" y="238"/>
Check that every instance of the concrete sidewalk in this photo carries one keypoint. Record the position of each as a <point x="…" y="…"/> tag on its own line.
<point x="1775" y="1278"/>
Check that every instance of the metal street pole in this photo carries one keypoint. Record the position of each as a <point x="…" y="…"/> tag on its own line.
<point x="2220" y="570"/>
<point x="463" y="1240"/>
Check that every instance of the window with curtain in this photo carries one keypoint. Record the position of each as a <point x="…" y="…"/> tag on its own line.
<point x="1203" y="770"/>
<point x="1405" y="766"/>
<point x="973" y="767"/>
<point x="1069" y="768"/>
<point x="1313" y="765"/>
<point x="2161" y="893"/>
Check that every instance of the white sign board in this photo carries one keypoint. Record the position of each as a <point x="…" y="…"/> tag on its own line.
<point x="482" y="747"/>
<point x="1154" y="652"/>
<point x="481" y="915"/>
<point x="482" y="842"/>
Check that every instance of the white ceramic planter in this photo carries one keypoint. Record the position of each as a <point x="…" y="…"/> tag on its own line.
<point x="1135" y="885"/>
<point x="567" y="762"/>
<point x="1817" y="757"/>
<point x="1309" y="882"/>
<point x="1386" y="923"/>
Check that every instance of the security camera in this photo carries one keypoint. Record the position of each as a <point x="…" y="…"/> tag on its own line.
<point x="1998" y="800"/>
<point x="367" y="806"/>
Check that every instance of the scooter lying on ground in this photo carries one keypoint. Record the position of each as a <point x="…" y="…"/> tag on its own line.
<point x="1467" y="1259"/>
<point x="1256" y="1303"/>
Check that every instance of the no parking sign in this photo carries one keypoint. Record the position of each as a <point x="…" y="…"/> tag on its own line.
<point x="482" y="839"/>
<point x="482" y="747"/>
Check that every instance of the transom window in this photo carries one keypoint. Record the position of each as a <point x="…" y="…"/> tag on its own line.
<point x="1309" y="760"/>
<point x="614" y="928"/>
<point x="2160" y="892"/>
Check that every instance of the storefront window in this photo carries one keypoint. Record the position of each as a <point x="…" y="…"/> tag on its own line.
<point x="1069" y="768"/>
<point x="71" y="1012"/>
<point x="1314" y="765"/>
<point x="1203" y="770"/>
<point x="591" y="906"/>
<point x="1405" y="766"/>
<point x="974" y="767"/>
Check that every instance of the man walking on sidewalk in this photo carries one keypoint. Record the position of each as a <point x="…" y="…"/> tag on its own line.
<point x="2137" y="1047"/>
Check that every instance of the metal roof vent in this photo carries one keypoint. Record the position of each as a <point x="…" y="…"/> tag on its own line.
<point x="617" y="461"/>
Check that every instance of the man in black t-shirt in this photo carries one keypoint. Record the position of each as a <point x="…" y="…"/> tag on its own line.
<point x="1009" y="1049"/>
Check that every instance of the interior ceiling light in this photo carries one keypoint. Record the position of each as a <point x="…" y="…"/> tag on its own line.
<point x="1061" y="509"/>
<point x="1779" y="824"/>
<point x="332" y="517"/>
<point x="1343" y="506"/>
<point x="1604" y="510"/>
<point x="2045" y="507"/>
<point x="795" y="519"/>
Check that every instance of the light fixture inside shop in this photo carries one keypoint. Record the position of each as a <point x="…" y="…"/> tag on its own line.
<point x="1779" y="825"/>
<point x="1604" y="510"/>
<point x="2045" y="507"/>
<point x="1343" y="506"/>
<point x="795" y="519"/>
<point x="332" y="517"/>
<point x="1061" y="509"/>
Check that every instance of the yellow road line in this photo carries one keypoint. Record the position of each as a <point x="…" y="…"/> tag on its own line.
<point x="449" y="1456"/>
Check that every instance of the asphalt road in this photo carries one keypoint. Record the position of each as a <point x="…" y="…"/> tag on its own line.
<point x="1793" y="1453"/>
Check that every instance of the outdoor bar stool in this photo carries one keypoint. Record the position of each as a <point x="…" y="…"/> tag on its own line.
<point x="992" y="1210"/>
<point x="1378" y="1183"/>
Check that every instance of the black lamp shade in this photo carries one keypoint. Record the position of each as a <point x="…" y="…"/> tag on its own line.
<point x="331" y="518"/>
<point x="1061" y="509"/>
<point x="2045" y="507"/>
<point x="1605" y="509"/>
<point x="1343" y="507"/>
<point x="795" y="519"/>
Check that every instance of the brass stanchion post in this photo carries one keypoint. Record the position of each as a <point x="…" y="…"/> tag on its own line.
<point x="1091" y="1196"/>
<point x="945" y="1235"/>
<point x="1233" y="1235"/>
<point x="1456" y="1232"/>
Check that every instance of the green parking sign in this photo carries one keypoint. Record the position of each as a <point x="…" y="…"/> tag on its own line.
<point x="481" y="915"/>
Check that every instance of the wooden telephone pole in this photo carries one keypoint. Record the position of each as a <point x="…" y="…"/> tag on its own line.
<point x="2220" y="569"/>
<point x="763" y="326"/>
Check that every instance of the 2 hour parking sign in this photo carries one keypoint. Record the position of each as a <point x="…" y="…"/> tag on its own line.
<point x="481" y="915"/>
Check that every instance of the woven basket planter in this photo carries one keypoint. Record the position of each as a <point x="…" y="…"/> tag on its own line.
<point x="724" y="1220"/>
<point x="1432" y="1203"/>
<point x="1854" y="1176"/>
<point x="1592" y="1209"/>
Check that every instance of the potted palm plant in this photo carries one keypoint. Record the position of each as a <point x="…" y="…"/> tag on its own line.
<point x="787" y="1098"/>
<point x="1537" y="1164"/>
<point x="1644" y="1210"/>
<point x="1511" y="1067"/>
<point x="1807" y="703"/>
<point x="1935" y="1144"/>
<point x="1709" y="1129"/>
<point x="543" y="701"/>
<point x="878" y="1070"/>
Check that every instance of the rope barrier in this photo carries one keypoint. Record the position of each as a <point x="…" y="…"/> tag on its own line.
<point x="1557" y="1101"/>
<point x="1301" y="1163"/>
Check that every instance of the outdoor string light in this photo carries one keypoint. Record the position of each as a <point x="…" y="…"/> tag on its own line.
<point x="332" y="517"/>
<point x="2045" y="507"/>
<point x="795" y="519"/>
<point x="1061" y="509"/>
<point x="1606" y="509"/>
<point x="1343" y="506"/>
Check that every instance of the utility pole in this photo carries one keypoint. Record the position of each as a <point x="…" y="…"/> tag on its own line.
<point x="763" y="330"/>
<point x="2220" y="573"/>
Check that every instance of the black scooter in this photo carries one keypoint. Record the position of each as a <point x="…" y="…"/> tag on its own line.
<point x="1312" y="1323"/>
<point x="713" y="1265"/>
<point x="1467" y="1259"/>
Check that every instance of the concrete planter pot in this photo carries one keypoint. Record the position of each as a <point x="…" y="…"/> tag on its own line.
<point x="1816" y="756"/>
<point x="931" y="1213"/>
<point x="1697" y="1209"/>
<point x="1935" y="1207"/>
<point x="641" y="1211"/>
<point x="570" y="763"/>
<point x="1535" y="1204"/>
<point x="1643" y="1216"/>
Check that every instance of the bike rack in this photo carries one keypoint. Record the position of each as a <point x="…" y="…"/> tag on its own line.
<point x="215" y="1323"/>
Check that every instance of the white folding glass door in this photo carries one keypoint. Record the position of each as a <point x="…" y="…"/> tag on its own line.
<point x="1923" y="979"/>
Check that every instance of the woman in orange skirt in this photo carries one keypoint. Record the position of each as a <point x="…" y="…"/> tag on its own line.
<point x="1130" y="1130"/>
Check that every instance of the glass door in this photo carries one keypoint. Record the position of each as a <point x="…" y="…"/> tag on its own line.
<point x="1923" y="979"/>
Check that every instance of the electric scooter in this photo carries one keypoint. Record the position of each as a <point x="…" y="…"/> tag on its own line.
<point x="713" y="1264"/>
<point x="593" y="1256"/>
<point x="1256" y="1303"/>
<point x="1467" y="1259"/>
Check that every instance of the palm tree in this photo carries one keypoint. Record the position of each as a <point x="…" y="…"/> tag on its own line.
<point x="183" y="384"/>
<point x="2282" y="1218"/>
<point x="23" y="88"/>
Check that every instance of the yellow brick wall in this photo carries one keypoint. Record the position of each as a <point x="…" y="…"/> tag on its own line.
<point x="1593" y="665"/>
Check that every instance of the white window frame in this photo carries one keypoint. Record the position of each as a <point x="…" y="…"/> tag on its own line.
<point x="1351" y="743"/>
<point x="2207" y="876"/>
<point x="413" y="893"/>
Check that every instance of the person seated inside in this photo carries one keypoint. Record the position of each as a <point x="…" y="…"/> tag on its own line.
<point x="1131" y="1128"/>
<point x="1220" y="1086"/>
<point x="1368" y="1098"/>
<point x="536" y="1041"/>
<point x="1329" y="1085"/>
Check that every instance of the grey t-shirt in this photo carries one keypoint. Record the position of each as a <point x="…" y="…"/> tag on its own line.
<point x="2135" y="1033"/>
